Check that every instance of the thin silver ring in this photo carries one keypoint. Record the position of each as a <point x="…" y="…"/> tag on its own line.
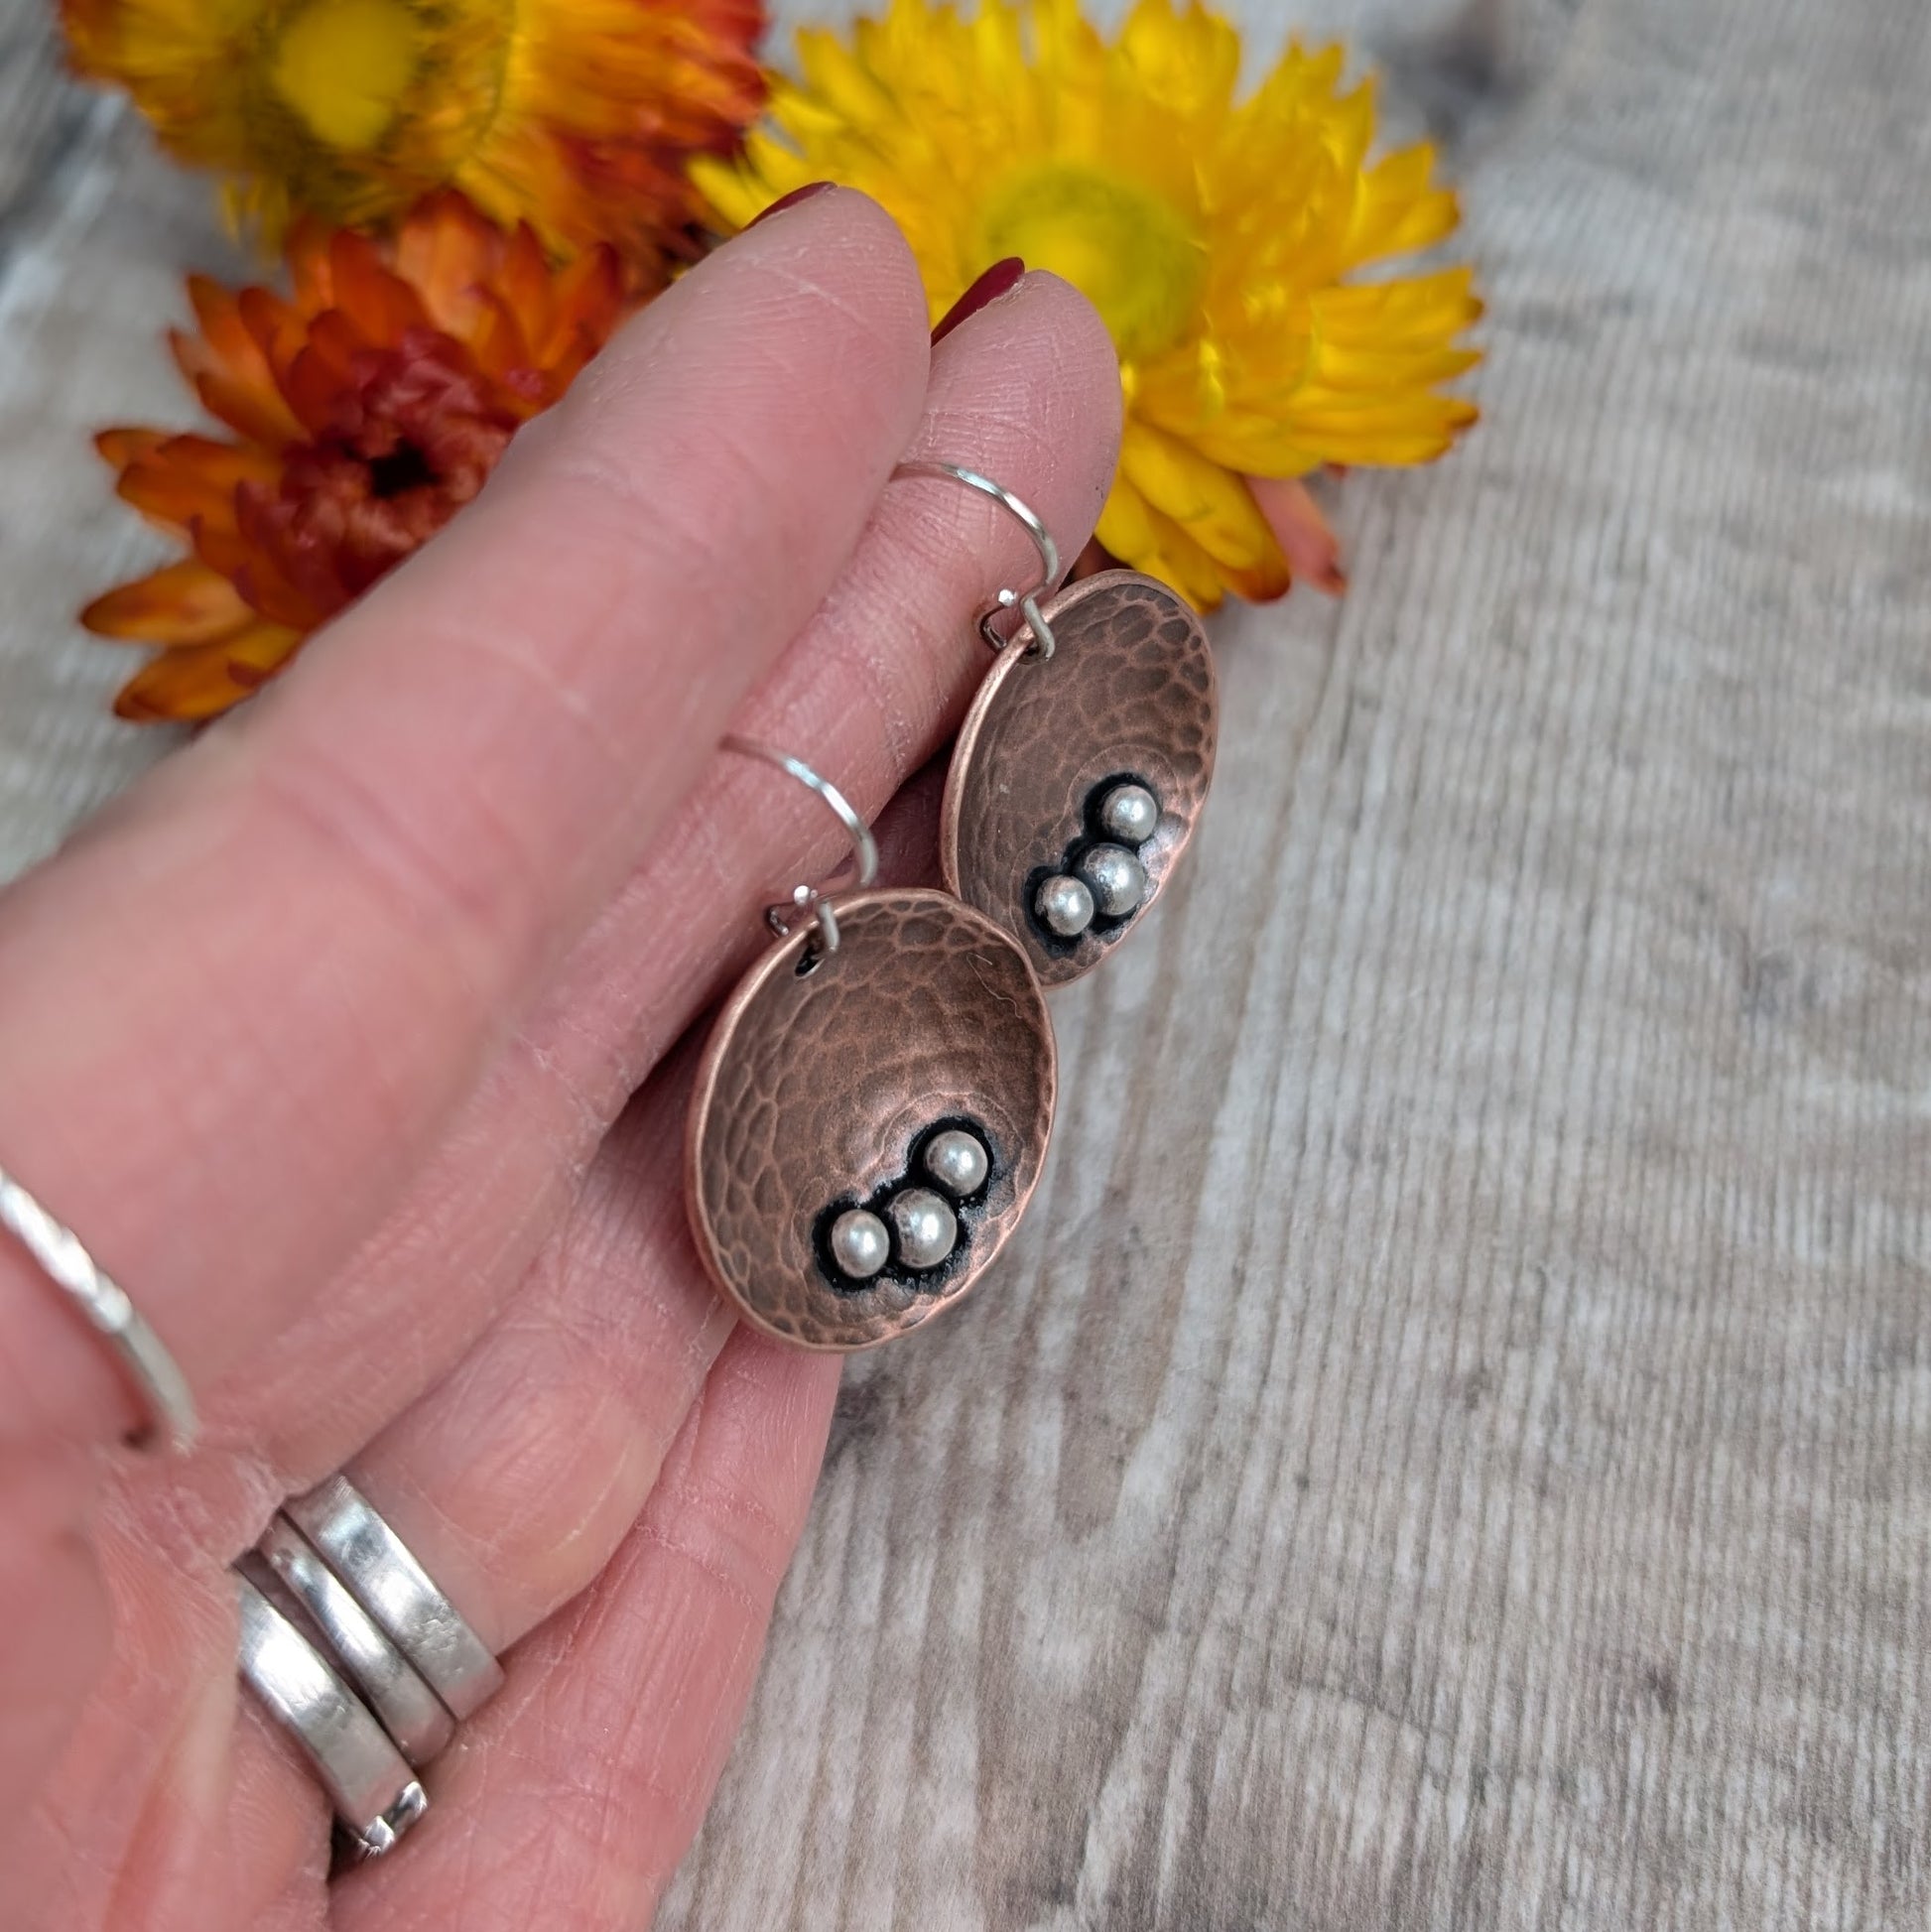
<point x="810" y="901"/>
<point x="1033" y="523"/>
<point x="382" y="1572"/>
<point x="105" y="1304"/>
<point x="375" y="1792"/>
<point x="408" y="1710"/>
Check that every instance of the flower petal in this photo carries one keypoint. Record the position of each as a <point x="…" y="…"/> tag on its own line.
<point x="587" y="301"/>
<point x="496" y="343"/>
<point x="254" y="411"/>
<point x="1213" y="505"/>
<point x="1140" y="536"/>
<point x="226" y="344"/>
<point x="381" y="304"/>
<point x="182" y="480"/>
<point x="202" y="681"/>
<point x="1306" y="538"/>
<point x="1398" y="210"/>
<point x="444" y="250"/>
<point x="312" y="271"/>
<point x="524" y="284"/>
<point x="124" y="447"/>
<point x="263" y="574"/>
<point x="181" y="603"/>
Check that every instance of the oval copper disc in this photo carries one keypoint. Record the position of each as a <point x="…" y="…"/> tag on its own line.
<point x="1129" y="693"/>
<point x="817" y="1090"/>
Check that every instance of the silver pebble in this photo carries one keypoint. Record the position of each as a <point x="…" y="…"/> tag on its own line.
<point x="957" y="1161"/>
<point x="1117" y="879"/>
<point x="927" y="1227"/>
<point x="862" y="1243"/>
<point x="1064" y="905"/>
<point x="1130" y="814"/>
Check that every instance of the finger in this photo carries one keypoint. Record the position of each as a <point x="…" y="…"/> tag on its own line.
<point x="53" y="1609"/>
<point x="1027" y="389"/>
<point x="578" y="1789"/>
<point x="233" y="1017"/>
<point x="519" y="1476"/>
<point x="528" y="1467"/>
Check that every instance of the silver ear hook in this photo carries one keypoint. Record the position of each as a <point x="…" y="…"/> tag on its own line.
<point x="810" y="901"/>
<point x="1028" y="602"/>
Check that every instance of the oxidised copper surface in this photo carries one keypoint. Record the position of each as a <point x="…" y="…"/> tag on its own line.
<point x="815" y="1090"/>
<point x="1129" y="693"/>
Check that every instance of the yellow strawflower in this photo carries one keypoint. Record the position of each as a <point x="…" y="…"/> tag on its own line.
<point x="1221" y="239"/>
<point x="576" y="116"/>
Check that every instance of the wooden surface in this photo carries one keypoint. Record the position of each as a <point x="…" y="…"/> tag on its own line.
<point x="1453" y="1446"/>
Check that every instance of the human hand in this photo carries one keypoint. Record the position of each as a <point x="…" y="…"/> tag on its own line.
<point x="324" y="1037"/>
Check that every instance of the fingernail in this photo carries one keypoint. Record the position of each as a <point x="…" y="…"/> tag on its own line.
<point x="790" y="200"/>
<point x="1000" y="278"/>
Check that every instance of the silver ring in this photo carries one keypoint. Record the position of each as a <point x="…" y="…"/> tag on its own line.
<point x="1034" y="525"/>
<point x="142" y="1354"/>
<point x="381" y="1570"/>
<point x="375" y="1792"/>
<point x="809" y="901"/>
<point x="407" y="1708"/>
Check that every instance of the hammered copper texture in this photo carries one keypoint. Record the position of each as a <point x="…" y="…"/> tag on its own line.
<point x="1129" y="691"/>
<point x="814" y="1089"/>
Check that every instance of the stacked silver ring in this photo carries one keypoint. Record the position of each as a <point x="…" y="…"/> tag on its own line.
<point x="355" y="1653"/>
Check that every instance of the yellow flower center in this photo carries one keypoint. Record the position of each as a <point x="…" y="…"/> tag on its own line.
<point x="1128" y="251"/>
<point x="344" y="66"/>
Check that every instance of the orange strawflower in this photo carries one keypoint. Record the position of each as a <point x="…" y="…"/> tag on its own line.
<point x="576" y="116"/>
<point x="368" y="407"/>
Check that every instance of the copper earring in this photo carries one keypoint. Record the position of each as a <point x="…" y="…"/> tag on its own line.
<point x="1083" y="765"/>
<point x="872" y="1108"/>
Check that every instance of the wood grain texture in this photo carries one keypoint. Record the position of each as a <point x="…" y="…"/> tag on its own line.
<point x="95" y="233"/>
<point x="1452" y="1446"/>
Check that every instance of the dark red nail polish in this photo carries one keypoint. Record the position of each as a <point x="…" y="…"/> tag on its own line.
<point x="790" y="200"/>
<point x="1000" y="278"/>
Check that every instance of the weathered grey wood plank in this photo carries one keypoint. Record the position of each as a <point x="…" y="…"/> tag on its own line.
<point x="94" y="236"/>
<point x="1455" y="1448"/>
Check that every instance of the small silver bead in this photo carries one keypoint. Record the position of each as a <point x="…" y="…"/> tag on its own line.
<point x="927" y="1227"/>
<point x="1116" y="878"/>
<point x="957" y="1161"/>
<point x="1130" y="814"/>
<point x="1066" y="906"/>
<point x="861" y="1243"/>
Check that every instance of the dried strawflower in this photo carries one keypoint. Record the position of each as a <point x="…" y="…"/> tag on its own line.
<point x="1220" y="240"/>
<point x="368" y="407"/>
<point x="576" y="116"/>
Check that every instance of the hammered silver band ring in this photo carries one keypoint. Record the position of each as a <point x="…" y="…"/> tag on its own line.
<point x="108" y="1308"/>
<point x="357" y="1654"/>
<point x="373" y="1787"/>
<point x="397" y="1592"/>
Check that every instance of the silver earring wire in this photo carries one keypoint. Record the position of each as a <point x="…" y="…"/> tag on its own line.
<point x="810" y="901"/>
<point x="1026" y="603"/>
